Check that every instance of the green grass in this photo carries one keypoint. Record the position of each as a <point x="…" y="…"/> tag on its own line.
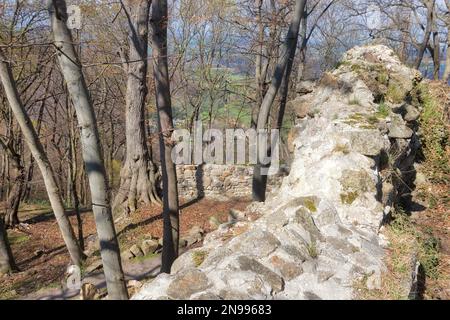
<point x="405" y="242"/>
<point x="395" y="94"/>
<point x="435" y="138"/>
<point x="144" y="258"/>
<point x="15" y="239"/>
<point x="383" y="110"/>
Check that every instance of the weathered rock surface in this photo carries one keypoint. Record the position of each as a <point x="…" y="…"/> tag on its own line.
<point x="319" y="233"/>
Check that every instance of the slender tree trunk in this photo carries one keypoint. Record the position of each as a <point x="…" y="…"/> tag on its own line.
<point x="41" y="159"/>
<point x="436" y="47"/>
<point x="139" y="174"/>
<point x="165" y="126"/>
<point x="259" y="65"/>
<point x="430" y="4"/>
<point x="406" y="35"/>
<point x="288" y="52"/>
<point x="7" y="263"/>
<point x="303" y="48"/>
<point x="446" y="75"/>
<point x="91" y="150"/>
<point x="72" y="176"/>
<point x="13" y="201"/>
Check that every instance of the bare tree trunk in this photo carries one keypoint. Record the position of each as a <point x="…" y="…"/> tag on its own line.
<point x="13" y="201"/>
<point x="436" y="52"/>
<point x="91" y="150"/>
<point x="259" y="65"/>
<point x="406" y="35"/>
<point x="430" y="4"/>
<point x="72" y="176"/>
<point x="41" y="159"/>
<point x="7" y="263"/>
<point x="303" y="48"/>
<point x="446" y="75"/>
<point x="288" y="52"/>
<point x="165" y="126"/>
<point x="139" y="174"/>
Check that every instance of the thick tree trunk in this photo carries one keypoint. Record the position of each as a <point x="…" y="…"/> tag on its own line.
<point x="91" y="150"/>
<point x="139" y="174"/>
<point x="288" y="52"/>
<point x="165" y="126"/>
<point x="41" y="159"/>
<point x="7" y="263"/>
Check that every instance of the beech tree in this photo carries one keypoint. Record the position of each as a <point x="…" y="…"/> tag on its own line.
<point x="139" y="174"/>
<point x="91" y="150"/>
<point x="165" y="127"/>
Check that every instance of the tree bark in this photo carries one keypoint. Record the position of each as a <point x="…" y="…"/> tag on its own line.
<point x="165" y="126"/>
<point x="72" y="174"/>
<point x="139" y="174"/>
<point x="11" y="218"/>
<point x="446" y="75"/>
<point x="41" y="159"/>
<point x="91" y="150"/>
<point x="430" y="4"/>
<point x="288" y="52"/>
<point x="259" y="65"/>
<point x="303" y="48"/>
<point x="7" y="263"/>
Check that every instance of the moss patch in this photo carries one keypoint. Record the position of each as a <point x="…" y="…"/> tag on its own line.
<point x="198" y="257"/>
<point x="349" y="198"/>
<point x="310" y="205"/>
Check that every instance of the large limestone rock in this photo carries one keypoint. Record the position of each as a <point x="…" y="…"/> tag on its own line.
<point x="319" y="233"/>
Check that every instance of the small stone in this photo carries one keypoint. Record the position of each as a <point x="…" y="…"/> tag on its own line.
<point x="288" y="270"/>
<point x="412" y="114"/>
<point x="149" y="246"/>
<point x="274" y="280"/>
<point x="398" y="129"/>
<point x="187" y="283"/>
<point x="136" y="251"/>
<point x="127" y="255"/>
<point x="196" y="230"/>
<point x="134" y="284"/>
<point x="96" y="265"/>
<point x="38" y="253"/>
<point x="214" y="223"/>
<point x="235" y="215"/>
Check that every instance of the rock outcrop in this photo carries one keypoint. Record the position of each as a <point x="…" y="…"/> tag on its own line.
<point x="319" y="233"/>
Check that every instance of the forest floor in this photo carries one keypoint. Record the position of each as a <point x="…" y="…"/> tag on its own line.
<point x="43" y="260"/>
